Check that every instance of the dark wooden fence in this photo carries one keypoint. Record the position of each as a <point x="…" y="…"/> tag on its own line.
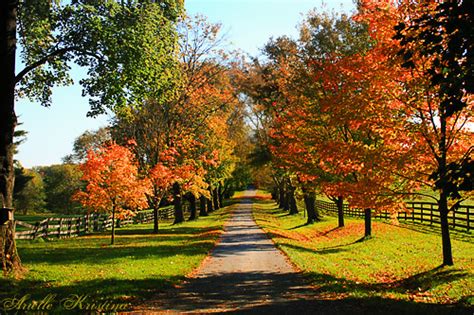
<point x="422" y="212"/>
<point x="81" y="225"/>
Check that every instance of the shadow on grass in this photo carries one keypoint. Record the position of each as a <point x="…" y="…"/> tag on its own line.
<point x="415" y="284"/>
<point x="116" y="291"/>
<point x="98" y="255"/>
<point x="326" y="250"/>
<point x="463" y="236"/>
<point x="135" y="242"/>
<point x="353" y="306"/>
<point x="289" y="293"/>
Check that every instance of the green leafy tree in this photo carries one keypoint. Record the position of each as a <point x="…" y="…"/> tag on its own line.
<point x="61" y="182"/>
<point x="30" y="195"/>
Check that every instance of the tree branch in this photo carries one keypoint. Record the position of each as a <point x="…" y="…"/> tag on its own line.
<point x="45" y="59"/>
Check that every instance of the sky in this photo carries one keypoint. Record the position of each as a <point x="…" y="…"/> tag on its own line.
<point x="248" y="25"/>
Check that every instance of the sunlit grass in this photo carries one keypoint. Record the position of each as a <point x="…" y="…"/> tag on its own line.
<point x="398" y="263"/>
<point x="139" y="265"/>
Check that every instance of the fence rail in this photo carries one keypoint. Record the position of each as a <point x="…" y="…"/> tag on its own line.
<point x="81" y="225"/>
<point x="423" y="212"/>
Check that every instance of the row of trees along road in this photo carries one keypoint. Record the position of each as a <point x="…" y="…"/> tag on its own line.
<point x="167" y="83"/>
<point x="370" y="108"/>
<point x="365" y="108"/>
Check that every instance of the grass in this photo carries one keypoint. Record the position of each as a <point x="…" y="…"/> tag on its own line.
<point x="397" y="264"/>
<point x="140" y="265"/>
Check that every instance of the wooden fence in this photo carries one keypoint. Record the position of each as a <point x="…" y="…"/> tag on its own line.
<point x="423" y="212"/>
<point x="81" y="225"/>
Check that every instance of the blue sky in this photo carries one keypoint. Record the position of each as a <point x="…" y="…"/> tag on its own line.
<point x="248" y="24"/>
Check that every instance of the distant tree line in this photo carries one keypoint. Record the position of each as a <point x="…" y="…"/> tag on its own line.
<point x="47" y="189"/>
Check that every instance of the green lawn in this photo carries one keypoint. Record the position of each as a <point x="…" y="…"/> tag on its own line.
<point x="137" y="267"/>
<point x="398" y="264"/>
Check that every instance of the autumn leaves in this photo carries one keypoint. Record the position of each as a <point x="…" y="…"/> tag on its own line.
<point x="175" y="145"/>
<point x="345" y="116"/>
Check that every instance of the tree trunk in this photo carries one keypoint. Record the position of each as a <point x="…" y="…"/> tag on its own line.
<point x="340" y="211"/>
<point x="443" y="200"/>
<point x="292" y="200"/>
<point x="8" y="122"/>
<point x="8" y="118"/>
<point x="178" y="204"/>
<point x="112" y="240"/>
<point x="156" y="217"/>
<point x="275" y="194"/>
<point x="9" y="258"/>
<point x="309" y="202"/>
<point x="281" y="194"/>
<point x="446" y="239"/>
<point x="210" y="204"/>
<point x="192" y="207"/>
<point x="286" y="200"/>
<point x="368" y="222"/>
<point x="215" y="196"/>
<point x="221" y="195"/>
<point x="202" y="206"/>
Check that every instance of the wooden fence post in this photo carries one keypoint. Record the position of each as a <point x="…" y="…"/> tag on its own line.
<point x="35" y="231"/>
<point x="431" y="215"/>
<point x="468" y="214"/>
<point x="60" y="227"/>
<point x="96" y="222"/>
<point x="78" y="225"/>
<point x="46" y="227"/>
<point x="69" y="226"/>
<point x="454" y="219"/>
<point x="421" y="212"/>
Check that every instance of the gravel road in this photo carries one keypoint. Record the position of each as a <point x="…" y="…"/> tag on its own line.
<point x="244" y="271"/>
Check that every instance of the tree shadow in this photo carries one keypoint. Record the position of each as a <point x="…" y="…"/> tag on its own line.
<point x="326" y="250"/>
<point x="356" y="306"/>
<point x="262" y="292"/>
<point x="463" y="236"/>
<point x="114" y="291"/>
<point x="301" y="225"/>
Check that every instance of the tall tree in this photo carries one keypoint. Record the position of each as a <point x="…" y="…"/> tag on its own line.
<point x="169" y="130"/>
<point x="436" y="42"/>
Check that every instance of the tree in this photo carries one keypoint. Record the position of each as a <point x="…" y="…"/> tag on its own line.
<point x="61" y="182"/>
<point x="29" y="194"/>
<point x="113" y="183"/>
<point x="169" y="131"/>
<point x="436" y="42"/>
<point x="124" y="45"/>
<point x="89" y="140"/>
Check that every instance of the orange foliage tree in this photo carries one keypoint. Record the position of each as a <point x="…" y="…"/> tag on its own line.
<point x="356" y="121"/>
<point x="113" y="183"/>
<point x="438" y="128"/>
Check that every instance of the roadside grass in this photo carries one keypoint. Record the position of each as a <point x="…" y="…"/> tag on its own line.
<point x="398" y="263"/>
<point x="138" y="266"/>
